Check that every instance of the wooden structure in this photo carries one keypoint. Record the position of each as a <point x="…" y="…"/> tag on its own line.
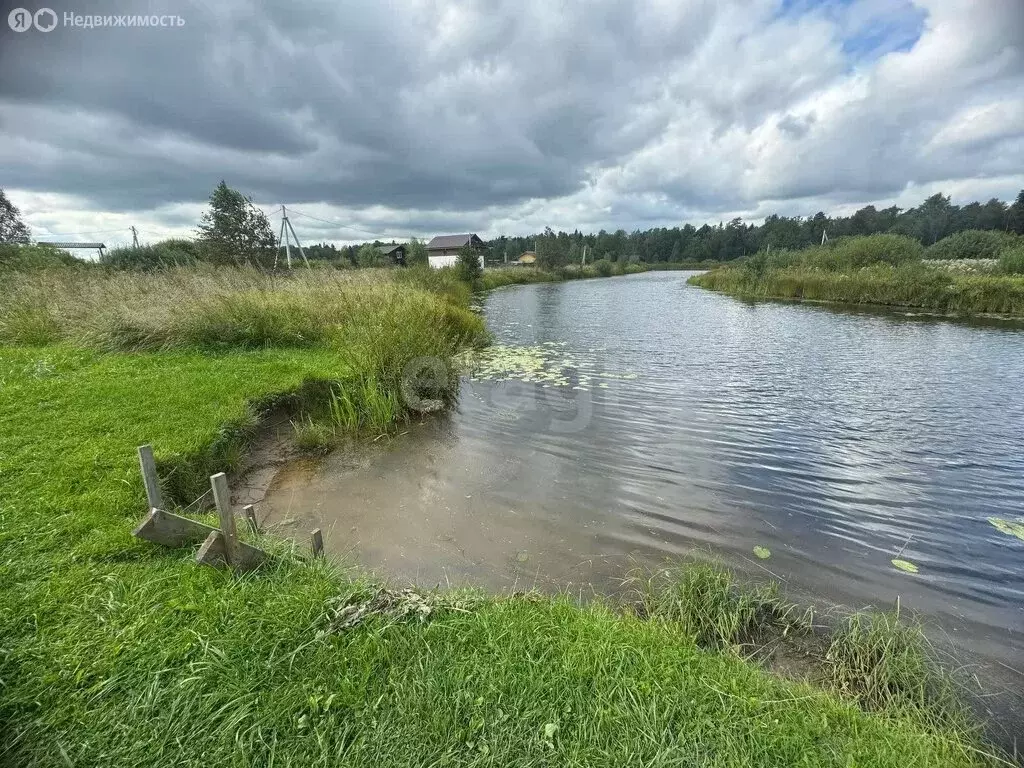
<point x="220" y="545"/>
<point x="443" y="250"/>
<point x="70" y="246"/>
<point x="394" y="252"/>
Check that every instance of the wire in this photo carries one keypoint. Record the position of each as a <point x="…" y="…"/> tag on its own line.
<point x="347" y="226"/>
<point x="73" y="234"/>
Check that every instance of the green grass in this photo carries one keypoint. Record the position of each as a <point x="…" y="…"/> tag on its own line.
<point x="878" y="270"/>
<point x="886" y="663"/>
<point x="118" y="652"/>
<point x="708" y="603"/>
<point x="227" y="308"/>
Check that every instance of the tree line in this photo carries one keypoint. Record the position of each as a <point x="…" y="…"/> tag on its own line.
<point x="234" y="231"/>
<point x="929" y="222"/>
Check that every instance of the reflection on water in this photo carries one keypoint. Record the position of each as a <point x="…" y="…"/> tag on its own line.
<point x="836" y="440"/>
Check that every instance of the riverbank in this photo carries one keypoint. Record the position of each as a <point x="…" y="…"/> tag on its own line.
<point x="119" y="652"/>
<point x="881" y="270"/>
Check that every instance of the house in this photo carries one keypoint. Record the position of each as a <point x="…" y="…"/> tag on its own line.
<point x="529" y="258"/>
<point x="394" y="252"/>
<point x="443" y="250"/>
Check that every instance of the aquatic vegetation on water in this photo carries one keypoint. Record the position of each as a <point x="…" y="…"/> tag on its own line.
<point x="1009" y="527"/>
<point x="904" y="565"/>
<point x="763" y="553"/>
<point x="547" y="364"/>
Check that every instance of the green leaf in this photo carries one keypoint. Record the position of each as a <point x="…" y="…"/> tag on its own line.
<point x="550" y="730"/>
<point x="762" y="552"/>
<point x="904" y="565"/>
<point x="1009" y="527"/>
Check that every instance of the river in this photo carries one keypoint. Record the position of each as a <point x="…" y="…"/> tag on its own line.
<point x="659" y="419"/>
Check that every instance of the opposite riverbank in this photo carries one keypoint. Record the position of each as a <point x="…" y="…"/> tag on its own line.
<point x="119" y="652"/>
<point x="883" y="270"/>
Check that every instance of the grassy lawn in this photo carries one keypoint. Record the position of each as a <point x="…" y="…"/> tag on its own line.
<point x="115" y="652"/>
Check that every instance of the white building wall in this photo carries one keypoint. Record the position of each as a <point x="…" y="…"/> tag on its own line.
<point x="438" y="262"/>
<point x="448" y="260"/>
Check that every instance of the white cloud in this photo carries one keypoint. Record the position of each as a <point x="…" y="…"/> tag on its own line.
<point x="420" y="116"/>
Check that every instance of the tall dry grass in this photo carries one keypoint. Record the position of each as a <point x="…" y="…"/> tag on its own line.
<point x="224" y="308"/>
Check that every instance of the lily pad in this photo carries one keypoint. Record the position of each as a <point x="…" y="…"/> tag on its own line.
<point x="904" y="565"/>
<point x="1009" y="527"/>
<point x="763" y="553"/>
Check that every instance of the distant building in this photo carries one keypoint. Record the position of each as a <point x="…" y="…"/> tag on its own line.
<point x="529" y="258"/>
<point x="394" y="252"/>
<point x="443" y="250"/>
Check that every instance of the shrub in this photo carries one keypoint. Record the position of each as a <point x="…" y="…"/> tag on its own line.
<point x="603" y="267"/>
<point x="972" y="244"/>
<point x="856" y="252"/>
<point x="370" y="256"/>
<point x="163" y="254"/>
<point x="15" y="257"/>
<point x="468" y="266"/>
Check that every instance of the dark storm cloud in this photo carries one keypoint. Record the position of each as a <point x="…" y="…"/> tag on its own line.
<point x="498" y="114"/>
<point x="352" y="105"/>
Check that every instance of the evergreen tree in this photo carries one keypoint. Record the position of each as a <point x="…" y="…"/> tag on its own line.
<point x="1015" y="215"/>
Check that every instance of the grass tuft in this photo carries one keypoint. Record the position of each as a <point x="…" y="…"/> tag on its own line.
<point x="706" y="602"/>
<point x="886" y="663"/>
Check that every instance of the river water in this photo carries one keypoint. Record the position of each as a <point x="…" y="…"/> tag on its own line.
<point x="658" y="419"/>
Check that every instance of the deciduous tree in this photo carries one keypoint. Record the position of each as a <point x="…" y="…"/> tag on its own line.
<point x="235" y="230"/>
<point x="12" y="228"/>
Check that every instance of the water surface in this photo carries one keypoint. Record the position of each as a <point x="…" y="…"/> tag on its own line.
<point x="688" y="419"/>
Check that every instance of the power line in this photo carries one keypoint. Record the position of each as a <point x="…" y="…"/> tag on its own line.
<point x="348" y="226"/>
<point x="98" y="232"/>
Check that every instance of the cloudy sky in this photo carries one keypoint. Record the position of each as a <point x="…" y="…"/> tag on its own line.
<point x="416" y="117"/>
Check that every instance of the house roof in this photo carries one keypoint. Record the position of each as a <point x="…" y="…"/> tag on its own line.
<point x="388" y="249"/>
<point x="452" y="241"/>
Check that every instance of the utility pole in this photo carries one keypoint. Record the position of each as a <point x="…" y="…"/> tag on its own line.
<point x="287" y="233"/>
<point x="135" y="237"/>
<point x="824" y="237"/>
<point x="584" y="262"/>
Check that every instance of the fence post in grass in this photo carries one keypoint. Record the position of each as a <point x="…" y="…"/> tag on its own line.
<point x="318" y="543"/>
<point x="250" y="516"/>
<point x="148" y="466"/>
<point x="222" y="498"/>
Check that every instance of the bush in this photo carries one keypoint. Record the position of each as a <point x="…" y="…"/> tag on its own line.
<point x="26" y="258"/>
<point x="856" y="252"/>
<point x="972" y="244"/>
<point x="160" y="255"/>
<point x="468" y="266"/>
<point x="369" y="255"/>
<point x="603" y="267"/>
<point x="1011" y="261"/>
